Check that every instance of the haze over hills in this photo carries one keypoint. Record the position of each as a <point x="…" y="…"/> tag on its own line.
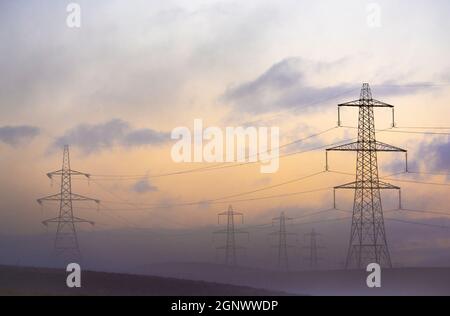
<point x="203" y="279"/>
<point x="396" y="281"/>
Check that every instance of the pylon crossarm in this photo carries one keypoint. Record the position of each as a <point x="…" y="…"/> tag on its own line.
<point x="361" y="185"/>
<point x="78" y="173"/>
<point x="54" y="173"/>
<point x="381" y="104"/>
<point x="71" y="172"/>
<point x="387" y="186"/>
<point x="346" y="147"/>
<point x="81" y="220"/>
<point x="53" y="197"/>
<point x="59" y="220"/>
<point x="356" y="146"/>
<point x="386" y="147"/>
<point x="368" y="103"/>
<point x="78" y="197"/>
<point x="350" y="103"/>
<point x="371" y="102"/>
<point x="51" y="220"/>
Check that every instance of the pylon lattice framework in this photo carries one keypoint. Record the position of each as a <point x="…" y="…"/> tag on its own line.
<point x="66" y="240"/>
<point x="282" y="245"/>
<point x="368" y="243"/>
<point x="230" y="231"/>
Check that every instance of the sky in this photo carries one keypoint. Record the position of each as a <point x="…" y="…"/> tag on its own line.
<point x="116" y="87"/>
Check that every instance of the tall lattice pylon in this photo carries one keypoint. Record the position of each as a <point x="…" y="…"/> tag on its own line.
<point x="230" y="231"/>
<point x="313" y="247"/>
<point x="282" y="245"/>
<point x="368" y="242"/>
<point x="66" y="241"/>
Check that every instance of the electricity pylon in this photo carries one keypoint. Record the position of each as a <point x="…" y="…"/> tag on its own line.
<point x="282" y="233"/>
<point x="66" y="241"/>
<point x="313" y="257"/>
<point x="230" y="246"/>
<point x="368" y="242"/>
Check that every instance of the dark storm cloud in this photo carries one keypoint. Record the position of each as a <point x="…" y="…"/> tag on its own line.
<point x="91" y="138"/>
<point x="285" y="86"/>
<point x="15" y="135"/>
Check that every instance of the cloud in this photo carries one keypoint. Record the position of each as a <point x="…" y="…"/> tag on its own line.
<point x="144" y="186"/>
<point x="15" y="135"/>
<point x="102" y="71"/>
<point x="92" y="138"/>
<point x="282" y="86"/>
<point x="436" y="154"/>
<point x="144" y="137"/>
<point x="394" y="88"/>
<point x="285" y="85"/>
<point x="428" y="156"/>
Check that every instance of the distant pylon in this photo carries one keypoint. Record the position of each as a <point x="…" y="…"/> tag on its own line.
<point x="66" y="241"/>
<point x="230" y="246"/>
<point x="313" y="258"/>
<point x="282" y="245"/>
<point x="368" y="242"/>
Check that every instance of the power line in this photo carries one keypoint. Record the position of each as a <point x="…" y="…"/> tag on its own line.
<point x="221" y="166"/>
<point x="430" y="173"/>
<point x="409" y="210"/>
<point x="216" y="202"/>
<point x="212" y="168"/>
<point x="424" y="211"/>
<point x="417" y="132"/>
<point x="264" y="225"/>
<point x="423" y="127"/>
<point x="396" y="130"/>
<point x="216" y="166"/>
<point x="395" y="179"/>
<point x="417" y="223"/>
<point x="323" y="221"/>
<point x="127" y="202"/>
<point x="136" y="206"/>
<point x="270" y="186"/>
